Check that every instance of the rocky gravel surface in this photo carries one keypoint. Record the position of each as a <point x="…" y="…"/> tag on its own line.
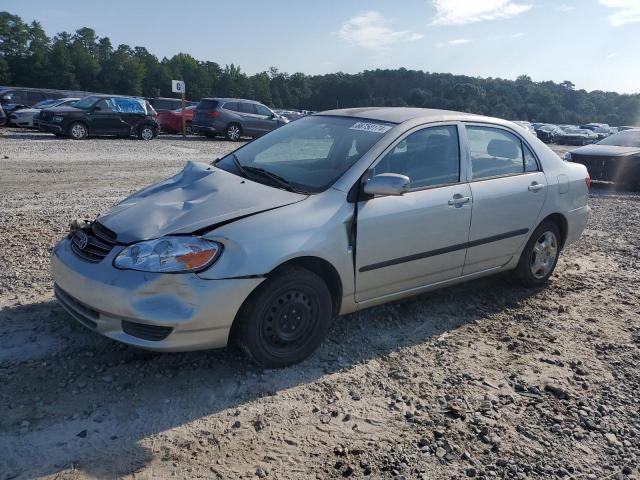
<point x="483" y="380"/>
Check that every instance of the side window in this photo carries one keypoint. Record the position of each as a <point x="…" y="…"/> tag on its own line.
<point x="106" y="105"/>
<point x="247" y="107"/>
<point x="494" y="152"/>
<point x="262" y="110"/>
<point x="428" y="157"/>
<point x="233" y="106"/>
<point x="530" y="163"/>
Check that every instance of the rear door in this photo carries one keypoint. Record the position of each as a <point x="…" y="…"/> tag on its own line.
<point x="417" y="239"/>
<point x="508" y="189"/>
<point x="132" y="112"/>
<point x="250" y="120"/>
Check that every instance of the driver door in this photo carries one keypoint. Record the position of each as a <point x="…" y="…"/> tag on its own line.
<point x="104" y="119"/>
<point x="419" y="238"/>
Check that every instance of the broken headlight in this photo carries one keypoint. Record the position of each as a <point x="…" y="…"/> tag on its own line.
<point x="169" y="255"/>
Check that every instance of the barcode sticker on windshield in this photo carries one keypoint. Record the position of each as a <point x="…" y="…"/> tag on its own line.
<point x="370" y="127"/>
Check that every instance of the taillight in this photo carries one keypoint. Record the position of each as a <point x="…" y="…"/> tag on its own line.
<point x="588" y="182"/>
<point x="214" y="114"/>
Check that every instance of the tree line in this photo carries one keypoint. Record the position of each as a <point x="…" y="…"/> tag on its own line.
<point x="85" y="61"/>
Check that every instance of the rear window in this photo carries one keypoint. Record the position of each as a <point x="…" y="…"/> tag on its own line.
<point x="233" y="106"/>
<point x="208" y="105"/>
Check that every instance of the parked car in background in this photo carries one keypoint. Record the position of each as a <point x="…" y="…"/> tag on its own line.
<point x="592" y="126"/>
<point x="171" y="121"/>
<point x="548" y="133"/>
<point x="626" y="127"/>
<point x="97" y="115"/>
<point x="526" y="125"/>
<point x="614" y="159"/>
<point x="602" y="132"/>
<point x="163" y="104"/>
<point x="576" y="136"/>
<point x="28" y="117"/>
<point x="290" y="114"/>
<point x="322" y="217"/>
<point x="3" y="117"/>
<point x="234" y="118"/>
<point x="28" y="97"/>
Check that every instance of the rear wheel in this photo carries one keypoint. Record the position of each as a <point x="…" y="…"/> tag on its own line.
<point x="78" y="131"/>
<point x="146" y="132"/>
<point x="233" y="132"/>
<point x="188" y="128"/>
<point x="285" y="319"/>
<point x="540" y="255"/>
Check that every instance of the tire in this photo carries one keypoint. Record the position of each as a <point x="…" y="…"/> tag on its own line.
<point x="285" y="319"/>
<point x="188" y="128"/>
<point x="233" y="132"/>
<point x="78" y="131"/>
<point x="540" y="256"/>
<point x="146" y="132"/>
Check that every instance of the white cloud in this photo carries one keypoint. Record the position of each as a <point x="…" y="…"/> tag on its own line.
<point x="517" y="35"/>
<point x="371" y="30"/>
<point x="564" y="8"/>
<point x="457" y="41"/>
<point x="613" y="55"/>
<point x="460" y="12"/>
<point x="624" y="11"/>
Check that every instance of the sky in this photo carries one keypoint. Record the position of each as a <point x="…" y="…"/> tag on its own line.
<point x="593" y="43"/>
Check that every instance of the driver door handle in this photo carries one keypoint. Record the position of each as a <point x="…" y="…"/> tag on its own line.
<point x="535" y="186"/>
<point x="458" y="200"/>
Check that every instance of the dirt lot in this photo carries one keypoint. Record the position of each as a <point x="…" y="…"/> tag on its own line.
<point x="482" y="380"/>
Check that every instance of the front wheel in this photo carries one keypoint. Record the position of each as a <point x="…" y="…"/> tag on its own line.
<point x="233" y="132"/>
<point x="78" y="131"/>
<point x="146" y="132"/>
<point x="540" y="255"/>
<point x="285" y="319"/>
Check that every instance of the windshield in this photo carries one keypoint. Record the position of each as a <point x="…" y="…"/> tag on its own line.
<point x="628" y="138"/>
<point x="309" y="154"/>
<point x="46" y="103"/>
<point x="87" y="102"/>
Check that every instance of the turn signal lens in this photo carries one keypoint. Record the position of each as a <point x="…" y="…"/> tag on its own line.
<point x="588" y="182"/>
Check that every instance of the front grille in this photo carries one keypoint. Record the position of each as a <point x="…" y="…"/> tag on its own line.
<point x="153" y="333"/>
<point x="93" y="243"/>
<point x="45" y="115"/>
<point x="602" y="167"/>
<point x="78" y="310"/>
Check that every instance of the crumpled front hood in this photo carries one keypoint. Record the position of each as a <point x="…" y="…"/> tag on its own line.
<point x="606" y="150"/>
<point x="199" y="196"/>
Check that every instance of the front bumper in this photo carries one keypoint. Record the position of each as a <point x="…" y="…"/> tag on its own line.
<point x="49" y="127"/>
<point x="163" y="312"/>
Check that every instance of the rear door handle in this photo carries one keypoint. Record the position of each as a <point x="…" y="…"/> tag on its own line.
<point x="458" y="200"/>
<point x="535" y="186"/>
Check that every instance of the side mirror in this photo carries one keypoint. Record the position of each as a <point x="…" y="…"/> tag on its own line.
<point x="387" y="184"/>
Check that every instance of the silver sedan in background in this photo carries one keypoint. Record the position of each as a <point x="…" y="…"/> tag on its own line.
<point x="327" y="215"/>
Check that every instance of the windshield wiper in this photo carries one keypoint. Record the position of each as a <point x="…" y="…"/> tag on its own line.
<point x="272" y="176"/>
<point x="238" y="165"/>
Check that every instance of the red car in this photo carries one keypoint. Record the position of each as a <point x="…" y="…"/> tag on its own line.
<point x="171" y="121"/>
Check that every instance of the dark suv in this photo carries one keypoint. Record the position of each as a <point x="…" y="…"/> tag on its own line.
<point x="102" y="115"/>
<point x="234" y="117"/>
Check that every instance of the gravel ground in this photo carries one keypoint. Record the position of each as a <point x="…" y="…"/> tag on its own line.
<point x="481" y="380"/>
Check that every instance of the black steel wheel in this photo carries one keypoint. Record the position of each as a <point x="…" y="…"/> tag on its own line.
<point x="285" y="319"/>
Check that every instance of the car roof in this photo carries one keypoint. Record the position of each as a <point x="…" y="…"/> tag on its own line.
<point x="403" y="114"/>
<point x="224" y="99"/>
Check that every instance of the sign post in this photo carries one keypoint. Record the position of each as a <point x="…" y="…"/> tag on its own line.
<point x="178" y="86"/>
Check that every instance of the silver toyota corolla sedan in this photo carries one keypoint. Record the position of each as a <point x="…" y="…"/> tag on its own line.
<point x="327" y="215"/>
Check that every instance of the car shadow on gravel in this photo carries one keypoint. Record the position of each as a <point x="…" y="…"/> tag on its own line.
<point x="91" y="404"/>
